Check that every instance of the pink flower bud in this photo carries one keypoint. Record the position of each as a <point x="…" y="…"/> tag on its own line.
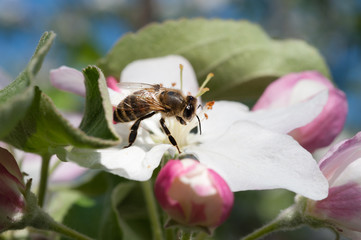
<point x="192" y="194"/>
<point x="12" y="202"/>
<point x="342" y="208"/>
<point x="296" y="87"/>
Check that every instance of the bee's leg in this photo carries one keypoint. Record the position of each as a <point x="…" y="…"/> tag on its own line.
<point x="134" y="129"/>
<point x="170" y="137"/>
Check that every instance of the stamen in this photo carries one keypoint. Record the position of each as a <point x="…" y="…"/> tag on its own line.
<point x="181" y="76"/>
<point x="209" y="105"/>
<point x="203" y="89"/>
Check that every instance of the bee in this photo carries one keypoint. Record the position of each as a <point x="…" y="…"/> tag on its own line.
<point x="152" y="99"/>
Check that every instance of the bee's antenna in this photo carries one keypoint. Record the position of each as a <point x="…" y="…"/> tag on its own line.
<point x="199" y="125"/>
<point x="203" y="89"/>
<point x="181" y="76"/>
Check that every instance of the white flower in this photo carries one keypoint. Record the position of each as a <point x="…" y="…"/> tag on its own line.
<point x="250" y="150"/>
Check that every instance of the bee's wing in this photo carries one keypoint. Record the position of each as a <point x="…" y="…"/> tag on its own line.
<point x="134" y="86"/>
<point x="146" y="98"/>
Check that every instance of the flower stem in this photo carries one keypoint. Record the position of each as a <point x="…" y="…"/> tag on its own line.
<point x="289" y="218"/>
<point x="43" y="179"/>
<point x="152" y="210"/>
<point x="66" y="231"/>
<point x="271" y="227"/>
<point x="39" y="219"/>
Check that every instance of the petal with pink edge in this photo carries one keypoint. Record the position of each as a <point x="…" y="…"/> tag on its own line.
<point x="68" y="79"/>
<point x="339" y="157"/>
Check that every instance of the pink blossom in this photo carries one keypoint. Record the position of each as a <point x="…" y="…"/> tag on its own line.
<point x="297" y="87"/>
<point x="342" y="208"/>
<point x="12" y="187"/>
<point x="192" y="194"/>
<point x="66" y="78"/>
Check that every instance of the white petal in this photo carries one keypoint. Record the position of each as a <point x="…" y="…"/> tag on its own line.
<point x="68" y="79"/>
<point x="133" y="163"/>
<point x="222" y="115"/>
<point x="286" y="119"/>
<point x="163" y="70"/>
<point x="249" y="157"/>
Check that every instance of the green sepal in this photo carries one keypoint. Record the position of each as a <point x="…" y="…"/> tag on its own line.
<point x="171" y="223"/>
<point x="242" y="57"/>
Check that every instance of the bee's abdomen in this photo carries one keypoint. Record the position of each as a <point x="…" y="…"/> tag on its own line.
<point x="130" y="109"/>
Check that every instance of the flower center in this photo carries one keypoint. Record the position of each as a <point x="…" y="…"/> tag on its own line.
<point x="184" y="135"/>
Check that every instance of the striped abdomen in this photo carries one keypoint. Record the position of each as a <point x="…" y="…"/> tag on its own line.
<point x="130" y="109"/>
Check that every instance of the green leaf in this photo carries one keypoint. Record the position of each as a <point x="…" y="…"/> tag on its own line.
<point x="115" y="206"/>
<point x="98" y="116"/>
<point x="130" y="209"/>
<point x="95" y="204"/>
<point x="42" y="49"/>
<point x="17" y="97"/>
<point x="240" y="54"/>
<point x="44" y="130"/>
<point x="67" y="198"/>
<point x="14" y="110"/>
<point x="93" y="217"/>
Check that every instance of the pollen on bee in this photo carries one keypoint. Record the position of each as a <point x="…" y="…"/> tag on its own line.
<point x="174" y="84"/>
<point x="209" y="105"/>
<point x="206" y="116"/>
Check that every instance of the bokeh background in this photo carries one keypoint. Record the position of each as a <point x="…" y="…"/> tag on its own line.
<point x="87" y="29"/>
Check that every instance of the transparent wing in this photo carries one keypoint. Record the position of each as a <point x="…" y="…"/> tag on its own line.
<point x="134" y="86"/>
<point x="144" y="98"/>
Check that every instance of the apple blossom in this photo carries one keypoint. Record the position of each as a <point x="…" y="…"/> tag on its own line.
<point x="296" y="87"/>
<point x="250" y="150"/>
<point x="342" y="208"/>
<point x="192" y="194"/>
<point x="12" y="187"/>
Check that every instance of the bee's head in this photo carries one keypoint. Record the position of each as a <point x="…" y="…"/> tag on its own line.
<point x="190" y="109"/>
